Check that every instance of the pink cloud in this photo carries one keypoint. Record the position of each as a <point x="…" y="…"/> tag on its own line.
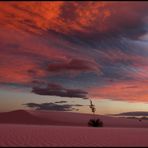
<point x="124" y="91"/>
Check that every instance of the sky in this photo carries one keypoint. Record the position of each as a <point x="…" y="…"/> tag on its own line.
<point x="59" y="55"/>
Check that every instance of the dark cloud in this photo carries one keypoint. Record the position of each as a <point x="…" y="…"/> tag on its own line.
<point x="58" y="90"/>
<point x="137" y="113"/>
<point x="61" y="102"/>
<point x="74" y="65"/>
<point x="53" y="106"/>
<point x="78" y="105"/>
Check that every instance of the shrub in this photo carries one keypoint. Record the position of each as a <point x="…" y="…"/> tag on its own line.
<point x="95" y="123"/>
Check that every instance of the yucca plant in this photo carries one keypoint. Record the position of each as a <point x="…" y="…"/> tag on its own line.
<point x="94" y="122"/>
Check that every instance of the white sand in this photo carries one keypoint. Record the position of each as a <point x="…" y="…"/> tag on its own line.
<point x="36" y="135"/>
<point x="27" y="128"/>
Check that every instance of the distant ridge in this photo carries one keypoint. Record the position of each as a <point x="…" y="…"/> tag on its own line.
<point x="136" y="113"/>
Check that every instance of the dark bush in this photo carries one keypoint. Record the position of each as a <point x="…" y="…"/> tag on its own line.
<point x="95" y="123"/>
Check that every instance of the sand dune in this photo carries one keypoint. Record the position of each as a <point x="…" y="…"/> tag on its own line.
<point x="64" y="118"/>
<point x="52" y="128"/>
<point x="21" y="117"/>
<point x="69" y="118"/>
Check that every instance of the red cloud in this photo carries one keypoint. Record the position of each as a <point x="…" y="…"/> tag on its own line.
<point x="70" y="18"/>
<point x="22" y="57"/>
<point x="15" y="69"/>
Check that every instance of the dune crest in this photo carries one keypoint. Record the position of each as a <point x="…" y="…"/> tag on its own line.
<point x="64" y="118"/>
